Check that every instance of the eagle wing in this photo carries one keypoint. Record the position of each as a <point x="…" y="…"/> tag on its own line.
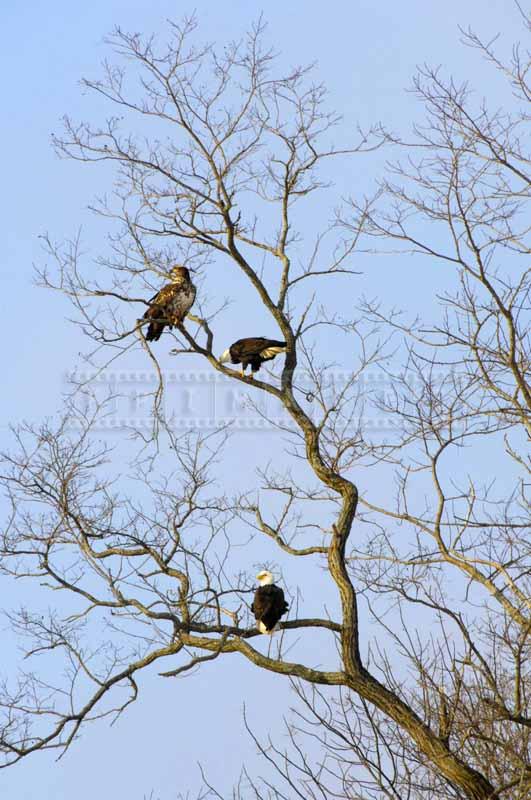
<point x="247" y="348"/>
<point x="158" y="305"/>
<point x="159" y="312"/>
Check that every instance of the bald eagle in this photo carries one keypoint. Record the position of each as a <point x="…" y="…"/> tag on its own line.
<point x="269" y="603"/>
<point x="171" y="304"/>
<point x="252" y="351"/>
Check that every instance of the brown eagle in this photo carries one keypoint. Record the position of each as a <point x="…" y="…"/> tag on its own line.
<point x="269" y="603"/>
<point x="171" y="304"/>
<point x="252" y="351"/>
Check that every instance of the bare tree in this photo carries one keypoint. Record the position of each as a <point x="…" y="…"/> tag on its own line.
<point x="226" y="152"/>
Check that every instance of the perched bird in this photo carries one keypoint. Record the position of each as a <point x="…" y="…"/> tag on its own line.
<point x="269" y="603"/>
<point x="171" y="304"/>
<point x="253" y="351"/>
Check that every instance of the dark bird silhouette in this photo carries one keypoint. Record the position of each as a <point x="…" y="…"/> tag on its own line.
<point x="171" y="304"/>
<point x="252" y="351"/>
<point x="269" y="603"/>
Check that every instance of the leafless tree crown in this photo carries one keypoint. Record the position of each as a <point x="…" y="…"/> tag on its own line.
<point x="224" y="152"/>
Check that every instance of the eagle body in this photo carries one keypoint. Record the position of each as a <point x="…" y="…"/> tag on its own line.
<point x="171" y="304"/>
<point x="252" y="352"/>
<point x="269" y="603"/>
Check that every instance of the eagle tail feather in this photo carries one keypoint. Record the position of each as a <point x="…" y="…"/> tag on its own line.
<point x="271" y="352"/>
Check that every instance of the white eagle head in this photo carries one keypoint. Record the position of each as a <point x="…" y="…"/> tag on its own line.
<point x="265" y="578"/>
<point x="179" y="273"/>
<point x="225" y="357"/>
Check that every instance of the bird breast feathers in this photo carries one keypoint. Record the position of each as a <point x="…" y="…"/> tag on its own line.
<point x="268" y="595"/>
<point x="182" y="298"/>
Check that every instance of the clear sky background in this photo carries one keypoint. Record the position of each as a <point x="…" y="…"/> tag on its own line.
<point x="366" y="54"/>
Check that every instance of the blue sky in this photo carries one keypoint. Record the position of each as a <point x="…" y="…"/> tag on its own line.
<point x="366" y="53"/>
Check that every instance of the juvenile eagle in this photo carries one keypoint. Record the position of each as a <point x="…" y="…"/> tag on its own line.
<point x="252" y="351"/>
<point x="269" y="603"/>
<point x="171" y="304"/>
